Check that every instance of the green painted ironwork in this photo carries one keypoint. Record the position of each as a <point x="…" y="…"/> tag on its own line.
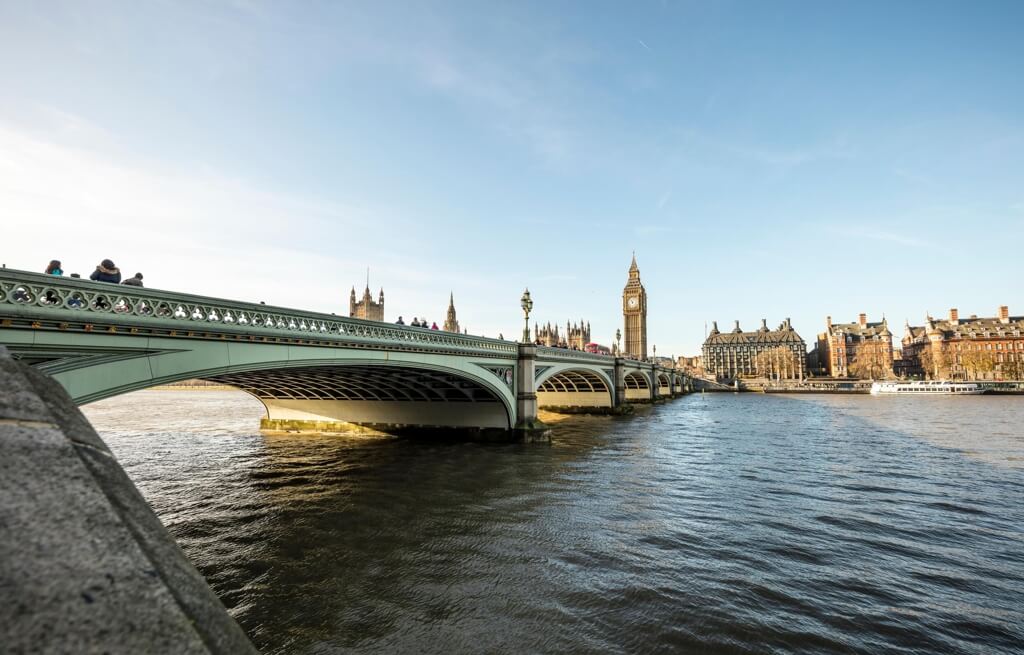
<point x="38" y="296"/>
<point x="99" y="339"/>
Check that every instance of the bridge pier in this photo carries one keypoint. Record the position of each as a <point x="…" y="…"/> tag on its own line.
<point x="528" y="427"/>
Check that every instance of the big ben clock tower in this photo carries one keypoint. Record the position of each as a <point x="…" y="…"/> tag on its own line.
<point x="634" y="311"/>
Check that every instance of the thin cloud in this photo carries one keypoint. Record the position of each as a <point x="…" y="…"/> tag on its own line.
<point x="916" y="178"/>
<point x="199" y="231"/>
<point x="885" y="236"/>
<point x="648" y="230"/>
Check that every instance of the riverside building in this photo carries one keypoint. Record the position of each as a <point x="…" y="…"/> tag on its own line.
<point x="634" y="314"/>
<point x="451" y="323"/>
<point x="576" y="335"/>
<point x="779" y="353"/>
<point x="366" y="308"/>
<point x="987" y="348"/>
<point x="859" y="349"/>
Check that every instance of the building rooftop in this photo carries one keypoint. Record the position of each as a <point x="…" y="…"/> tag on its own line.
<point x="861" y="328"/>
<point x="783" y="334"/>
<point x="995" y="326"/>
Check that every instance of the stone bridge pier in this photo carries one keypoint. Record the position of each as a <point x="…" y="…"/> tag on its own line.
<point x="528" y="427"/>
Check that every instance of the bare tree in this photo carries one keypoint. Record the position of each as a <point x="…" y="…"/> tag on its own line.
<point x="777" y="363"/>
<point x="1011" y="368"/>
<point x="934" y="361"/>
<point x="977" y="362"/>
<point x="873" y="360"/>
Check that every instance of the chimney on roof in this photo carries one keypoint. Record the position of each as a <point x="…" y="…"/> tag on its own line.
<point x="862" y="320"/>
<point x="1004" y="314"/>
<point x="828" y="322"/>
<point x="954" y="316"/>
<point x="737" y="328"/>
<point x="788" y="324"/>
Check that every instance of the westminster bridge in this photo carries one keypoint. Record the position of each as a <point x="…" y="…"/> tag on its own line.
<point x="310" y="370"/>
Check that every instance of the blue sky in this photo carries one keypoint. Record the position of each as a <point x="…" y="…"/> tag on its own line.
<point x="762" y="159"/>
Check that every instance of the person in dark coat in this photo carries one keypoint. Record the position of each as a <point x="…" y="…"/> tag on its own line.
<point x="106" y="272"/>
<point x="134" y="281"/>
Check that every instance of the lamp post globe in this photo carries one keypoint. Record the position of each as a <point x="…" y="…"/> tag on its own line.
<point x="527" y="304"/>
<point x="618" y="342"/>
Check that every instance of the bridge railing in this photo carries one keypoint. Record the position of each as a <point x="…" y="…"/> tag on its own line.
<point x="549" y="353"/>
<point x="46" y="297"/>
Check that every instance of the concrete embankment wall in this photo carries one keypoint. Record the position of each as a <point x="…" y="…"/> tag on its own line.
<point x="85" y="564"/>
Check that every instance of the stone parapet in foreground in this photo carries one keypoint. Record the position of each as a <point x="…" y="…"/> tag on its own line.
<point x="85" y="564"/>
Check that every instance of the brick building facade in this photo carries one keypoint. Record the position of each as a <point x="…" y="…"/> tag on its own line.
<point x="988" y="348"/>
<point x="859" y="349"/>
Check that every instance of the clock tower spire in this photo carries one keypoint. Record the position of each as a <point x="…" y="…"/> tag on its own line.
<point x="634" y="311"/>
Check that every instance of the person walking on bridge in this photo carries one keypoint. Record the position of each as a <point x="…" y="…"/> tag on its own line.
<point x="106" y="272"/>
<point x="54" y="268"/>
<point x="134" y="281"/>
<point x="399" y="321"/>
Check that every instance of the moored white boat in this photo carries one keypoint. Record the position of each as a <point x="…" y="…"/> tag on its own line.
<point x="937" y="387"/>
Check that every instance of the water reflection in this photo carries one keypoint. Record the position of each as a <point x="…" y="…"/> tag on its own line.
<point x="725" y="523"/>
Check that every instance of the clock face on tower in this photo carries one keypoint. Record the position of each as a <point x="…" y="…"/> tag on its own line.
<point x="632" y="302"/>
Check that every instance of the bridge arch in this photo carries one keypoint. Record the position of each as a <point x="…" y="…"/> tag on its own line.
<point x="638" y="386"/>
<point x="296" y="383"/>
<point x="569" y="385"/>
<point x="377" y="394"/>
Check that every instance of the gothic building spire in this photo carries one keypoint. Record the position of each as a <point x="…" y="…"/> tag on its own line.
<point x="634" y="310"/>
<point x="451" y="323"/>
<point x="366" y="308"/>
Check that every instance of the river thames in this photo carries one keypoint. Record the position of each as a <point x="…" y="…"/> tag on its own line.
<point x="725" y="523"/>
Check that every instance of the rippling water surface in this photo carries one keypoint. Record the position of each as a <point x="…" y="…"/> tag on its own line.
<point x="719" y="524"/>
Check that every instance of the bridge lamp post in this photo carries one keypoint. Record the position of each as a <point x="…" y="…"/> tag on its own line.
<point x="654" y="354"/>
<point x="527" y="304"/>
<point x="618" y="342"/>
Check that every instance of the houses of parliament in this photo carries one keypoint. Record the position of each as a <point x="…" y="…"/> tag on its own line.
<point x="577" y="336"/>
<point x="634" y="314"/>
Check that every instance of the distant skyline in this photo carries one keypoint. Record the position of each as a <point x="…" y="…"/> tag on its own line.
<point x="764" y="160"/>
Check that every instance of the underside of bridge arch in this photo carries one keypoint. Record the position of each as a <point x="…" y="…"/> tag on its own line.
<point x="377" y="396"/>
<point x="574" y="388"/>
<point x="638" y="388"/>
